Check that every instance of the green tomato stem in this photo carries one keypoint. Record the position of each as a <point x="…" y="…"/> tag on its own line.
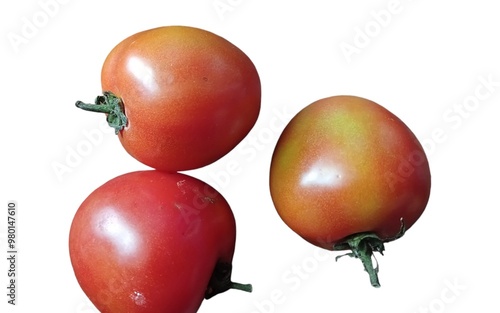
<point x="111" y="105"/>
<point x="362" y="246"/>
<point x="365" y="254"/>
<point x="242" y="287"/>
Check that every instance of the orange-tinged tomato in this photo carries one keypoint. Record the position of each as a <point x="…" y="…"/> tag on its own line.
<point x="188" y="96"/>
<point x="151" y="241"/>
<point x="346" y="166"/>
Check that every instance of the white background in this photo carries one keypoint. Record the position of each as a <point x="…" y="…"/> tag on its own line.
<point x="426" y="61"/>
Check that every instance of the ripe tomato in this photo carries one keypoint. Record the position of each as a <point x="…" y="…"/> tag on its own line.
<point x="179" y="97"/>
<point x="153" y="241"/>
<point x="346" y="173"/>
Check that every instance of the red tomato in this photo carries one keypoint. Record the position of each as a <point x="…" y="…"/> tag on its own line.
<point x="179" y="97"/>
<point x="346" y="173"/>
<point x="152" y="241"/>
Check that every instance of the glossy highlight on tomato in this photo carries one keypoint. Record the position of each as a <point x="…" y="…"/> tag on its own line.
<point x="178" y="97"/>
<point x="153" y="241"/>
<point x="347" y="174"/>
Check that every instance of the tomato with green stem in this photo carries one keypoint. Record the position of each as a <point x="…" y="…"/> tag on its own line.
<point x="152" y="241"/>
<point x="347" y="174"/>
<point x="178" y="97"/>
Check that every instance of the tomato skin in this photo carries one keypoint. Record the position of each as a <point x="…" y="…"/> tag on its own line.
<point x="346" y="165"/>
<point x="190" y="96"/>
<point x="149" y="241"/>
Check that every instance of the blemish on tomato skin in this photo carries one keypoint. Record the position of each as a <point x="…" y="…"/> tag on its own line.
<point x="180" y="185"/>
<point x="208" y="199"/>
<point x="138" y="298"/>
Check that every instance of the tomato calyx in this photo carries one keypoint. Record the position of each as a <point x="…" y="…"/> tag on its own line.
<point x="109" y="104"/>
<point x="363" y="245"/>
<point x="221" y="281"/>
